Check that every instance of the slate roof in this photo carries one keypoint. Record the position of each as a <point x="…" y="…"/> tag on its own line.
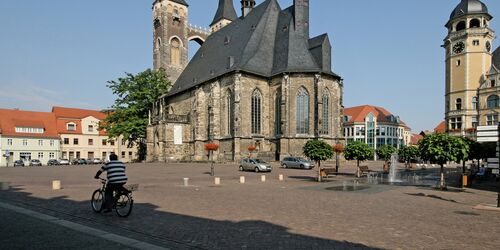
<point x="467" y="7"/>
<point x="266" y="43"/>
<point x="496" y="58"/>
<point x="176" y="1"/>
<point x="225" y="11"/>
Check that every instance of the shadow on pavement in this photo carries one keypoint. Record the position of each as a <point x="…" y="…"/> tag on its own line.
<point x="148" y="224"/>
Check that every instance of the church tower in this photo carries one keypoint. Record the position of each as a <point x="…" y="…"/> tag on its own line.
<point x="170" y="36"/>
<point x="468" y="59"/>
<point x="225" y="15"/>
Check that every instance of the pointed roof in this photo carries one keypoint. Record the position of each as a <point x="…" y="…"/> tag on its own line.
<point x="225" y="11"/>
<point x="466" y="7"/>
<point x="265" y="43"/>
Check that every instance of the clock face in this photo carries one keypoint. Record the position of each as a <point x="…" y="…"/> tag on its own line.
<point x="458" y="47"/>
<point x="488" y="46"/>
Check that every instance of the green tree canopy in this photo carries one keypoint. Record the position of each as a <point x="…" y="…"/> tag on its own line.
<point x="128" y="116"/>
<point x="407" y="154"/>
<point x="385" y="152"/>
<point x="318" y="151"/>
<point x="358" y="151"/>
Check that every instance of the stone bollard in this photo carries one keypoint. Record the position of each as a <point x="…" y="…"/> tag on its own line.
<point x="217" y="180"/>
<point x="186" y="182"/>
<point x="263" y="178"/>
<point x="280" y="177"/>
<point x="242" y="179"/>
<point x="56" y="185"/>
<point x="4" y="186"/>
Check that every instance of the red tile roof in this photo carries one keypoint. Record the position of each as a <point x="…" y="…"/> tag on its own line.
<point x="62" y="112"/>
<point x="11" y="118"/>
<point x="359" y="113"/>
<point x="441" y="128"/>
<point x="415" y="138"/>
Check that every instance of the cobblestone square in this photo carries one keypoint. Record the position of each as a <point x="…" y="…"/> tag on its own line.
<point x="296" y="213"/>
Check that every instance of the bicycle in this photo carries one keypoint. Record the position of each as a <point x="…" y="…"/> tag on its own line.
<point x="123" y="200"/>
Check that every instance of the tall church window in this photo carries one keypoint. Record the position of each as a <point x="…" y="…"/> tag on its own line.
<point x="256" y="112"/>
<point x="229" y="113"/>
<point x="302" y="109"/>
<point x="460" y="26"/>
<point x="458" y="104"/>
<point x="175" y="51"/>
<point x="326" y="114"/>
<point x="493" y="101"/>
<point x="474" y="23"/>
<point x="277" y="113"/>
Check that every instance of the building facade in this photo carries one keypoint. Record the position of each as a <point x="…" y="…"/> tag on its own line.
<point x="471" y="70"/>
<point x="26" y="135"/>
<point x="258" y="80"/>
<point x="81" y="138"/>
<point x="376" y="127"/>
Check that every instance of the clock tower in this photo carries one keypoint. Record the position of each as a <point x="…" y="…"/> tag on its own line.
<point x="468" y="59"/>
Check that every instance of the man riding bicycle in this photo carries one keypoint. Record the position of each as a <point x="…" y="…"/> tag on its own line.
<point x="116" y="179"/>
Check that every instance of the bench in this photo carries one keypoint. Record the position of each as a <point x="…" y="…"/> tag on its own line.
<point x="327" y="171"/>
<point x="363" y="170"/>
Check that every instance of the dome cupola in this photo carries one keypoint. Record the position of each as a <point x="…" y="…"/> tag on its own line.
<point x="467" y="7"/>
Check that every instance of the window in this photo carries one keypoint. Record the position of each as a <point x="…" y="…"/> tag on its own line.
<point x="71" y="126"/>
<point x="51" y="143"/>
<point x="358" y="131"/>
<point x="458" y="63"/>
<point x="9" y="142"/>
<point x="52" y="155"/>
<point x="104" y="142"/>
<point x="277" y="113"/>
<point x="302" y="110"/>
<point x="91" y="128"/>
<point x="30" y="130"/>
<point x="493" y="83"/>
<point x="256" y="112"/>
<point x="382" y="131"/>
<point x="492" y="120"/>
<point x="40" y="142"/>
<point x="493" y="101"/>
<point x="326" y="114"/>
<point x="475" y="123"/>
<point x="25" y="142"/>
<point x="229" y="113"/>
<point x="112" y="142"/>
<point x="175" y="51"/>
<point x="123" y="142"/>
<point x="40" y="155"/>
<point x="130" y="154"/>
<point x="458" y="104"/>
<point x="75" y="141"/>
<point x="123" y="154"/>
<point x="460" y="26"/>
<point x="91" y="142"/>
<point x="475" y="42"/>
<point x="456" y="123"/>
<point x="474" y="102"/>
<point x="66" y="141"/>
<point x="474" y="23"/>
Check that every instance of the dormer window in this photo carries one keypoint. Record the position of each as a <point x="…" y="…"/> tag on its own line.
<point x="71" y="127"/>
<point x="91" y="128"/>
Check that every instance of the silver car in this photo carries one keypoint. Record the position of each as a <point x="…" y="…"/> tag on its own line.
<point x="256" y="165"/>
<point x="297" y="162"/>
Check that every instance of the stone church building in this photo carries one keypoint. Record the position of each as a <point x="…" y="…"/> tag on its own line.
<point x="257" y="80"/>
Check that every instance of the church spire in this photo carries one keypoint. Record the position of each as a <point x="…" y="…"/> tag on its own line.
<point x="225" y="11"/>
<point x="247" y="6"/>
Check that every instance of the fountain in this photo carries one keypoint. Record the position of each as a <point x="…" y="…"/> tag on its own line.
<point x="392" y="170"/>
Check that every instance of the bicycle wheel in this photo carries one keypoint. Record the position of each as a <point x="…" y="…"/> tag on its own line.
<point x="97" y="201"/>
<point x="124" y="205"/>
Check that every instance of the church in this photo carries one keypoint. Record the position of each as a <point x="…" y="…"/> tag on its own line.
<point x="258" y="81"/>
<point x="472" y="70"/>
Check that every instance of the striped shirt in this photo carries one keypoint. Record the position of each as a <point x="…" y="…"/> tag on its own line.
<point x="115" y="171"/>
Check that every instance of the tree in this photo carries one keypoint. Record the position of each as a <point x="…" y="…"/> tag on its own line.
<point x="407" y="154"/>
<point x="128" y="116"/>
<point x="318" y="151"/>
<point x="442" y="148"/>
<point x="358" y="151"/>
<point x="385" y="152"/>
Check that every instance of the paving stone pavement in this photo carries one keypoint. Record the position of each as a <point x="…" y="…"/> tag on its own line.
<point x="297" y="213"/>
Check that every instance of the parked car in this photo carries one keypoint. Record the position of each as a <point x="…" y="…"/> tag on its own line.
<point x="79" y="162"/>
<point x="89" y="161"/>
<point x="297" y="162"/>
<point x="63" y="162"/>
<point x="52" y="162"/>
<point x="256" y="165"/>
<point x="97" y="161"/>
<point x="19" y="163"/>
<point x="35" y="162"/>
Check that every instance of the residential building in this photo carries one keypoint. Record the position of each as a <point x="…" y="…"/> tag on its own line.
<point x="81" y="137"/>
<point x="26" y="135"/>
<point x="472" y="70"/>
<point x="375" y="126"/>
<point x="257" y="80"/>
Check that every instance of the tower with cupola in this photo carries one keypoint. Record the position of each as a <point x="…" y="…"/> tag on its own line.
<point x="170" y="36"/>
<point x="468" y="59"/>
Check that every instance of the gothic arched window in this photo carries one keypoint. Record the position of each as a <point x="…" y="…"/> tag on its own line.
<point x="175" y="51"/>
<point x="229" y="112"/>
<point x="256" y="112"/>
<point x="493" y="101"/>
<point x="277" y="113"/>
<point x="325" y="124"/>
<point x="302" y="109"/>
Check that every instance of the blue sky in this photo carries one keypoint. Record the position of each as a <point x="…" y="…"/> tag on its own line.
<point x="57" y="52"/>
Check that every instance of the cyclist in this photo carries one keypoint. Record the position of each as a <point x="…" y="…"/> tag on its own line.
<point x="116" y="179"/>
